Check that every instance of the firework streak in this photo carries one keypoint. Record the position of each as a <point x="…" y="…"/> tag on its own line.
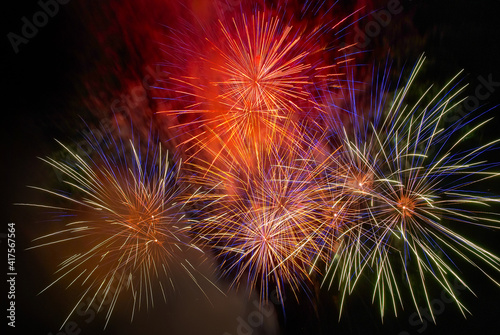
<point x="125" y="220"/>
<point x="294" y="171"/>
<point x="411" y="184"/>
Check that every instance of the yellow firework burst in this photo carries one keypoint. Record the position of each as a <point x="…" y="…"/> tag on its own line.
<point x="263" y="222"/>
<point x="124" y="222"/>
<point x="412" y="180"/>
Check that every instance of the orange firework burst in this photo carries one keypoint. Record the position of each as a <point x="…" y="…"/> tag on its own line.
<point x="127" y="228"/>
<point x="253" y="83"/>
<point x="263" y="223"/>
<point x="265" y="72"/>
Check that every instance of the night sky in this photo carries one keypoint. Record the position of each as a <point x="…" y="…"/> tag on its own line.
<point x="46" y="88"/>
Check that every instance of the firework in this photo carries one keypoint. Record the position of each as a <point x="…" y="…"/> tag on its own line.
<point x="125" y="222"/>
<point x="253" y="82"/>
<point x="290" y="174"/>
<point x="412" y="182"/>
<point x="263" y="223"/>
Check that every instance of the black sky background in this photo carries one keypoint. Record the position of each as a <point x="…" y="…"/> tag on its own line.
<point x="38" y="95"/>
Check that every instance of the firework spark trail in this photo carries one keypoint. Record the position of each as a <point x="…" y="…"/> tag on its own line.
<point x="125" y="206"/>
<point x="254" y="82"/>
<point x="415" y="198"/>
<point x="263" y="223"/>
<point x="282" y="179"/>
<point x="261" y="74"/>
